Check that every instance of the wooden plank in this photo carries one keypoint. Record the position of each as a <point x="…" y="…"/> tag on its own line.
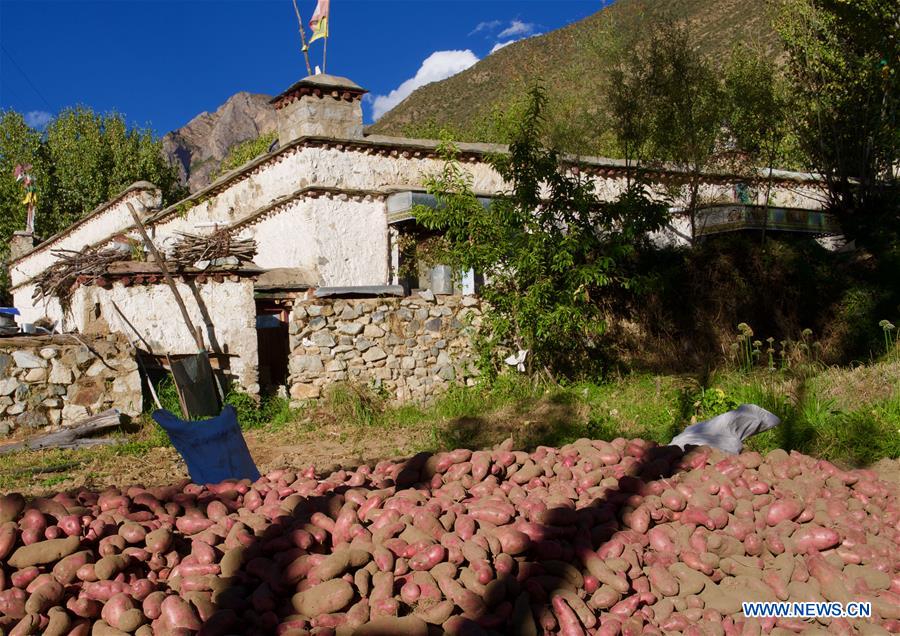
<point x="66" y="437"/>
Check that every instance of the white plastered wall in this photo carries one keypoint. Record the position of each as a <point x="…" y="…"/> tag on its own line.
<point x="229" y="306"/>
<point x="343" y="238"/>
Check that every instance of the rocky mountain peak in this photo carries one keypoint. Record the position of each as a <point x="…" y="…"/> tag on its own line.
<point x="198" y="148"/>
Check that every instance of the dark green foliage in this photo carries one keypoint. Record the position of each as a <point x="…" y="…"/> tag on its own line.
<point x="843" y="69"/>
<point x="550" y="248"/>
<point x="695" y="299"/>
<point x="81" y="160"/>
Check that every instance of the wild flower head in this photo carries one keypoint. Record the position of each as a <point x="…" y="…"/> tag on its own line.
<point x="745" y="329"/>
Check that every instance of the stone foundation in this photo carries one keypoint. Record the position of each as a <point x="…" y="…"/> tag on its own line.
<point x="412" y="348"/>
<point x="52" y="381"/>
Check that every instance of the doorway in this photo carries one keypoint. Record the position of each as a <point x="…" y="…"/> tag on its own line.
<point x="273" y="342"/>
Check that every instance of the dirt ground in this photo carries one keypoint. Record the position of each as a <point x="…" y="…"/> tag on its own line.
<point x="327" y="448"/>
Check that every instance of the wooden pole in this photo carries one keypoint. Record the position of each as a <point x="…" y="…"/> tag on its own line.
<point x="165" y="272"/>
<point x="305" y="48"/>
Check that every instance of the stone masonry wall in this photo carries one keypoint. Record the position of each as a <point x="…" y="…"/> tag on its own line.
<point x="52" y="381"/>
<point x="413" y="348"/>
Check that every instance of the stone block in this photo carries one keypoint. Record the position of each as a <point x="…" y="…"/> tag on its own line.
<point x="32" y="419"/>
<point x="72" y="413"/>
<point x="408" y="363"/>
<point x="25" y="359"/>
<point x="427" y="295"/>
<point x="323" y="339"/>
<point x="59" y="373"/>
<point x="307" y="364"/>
<point x="363" y="345"/>
<point x="373" y="331"/>
<point x="49" y="352"/>
<point x="5" y="362"/>
<point x="312" y="310"/>
<point x="15" y="409"/>
<point x="374" y="354"/>
<point x="336" y="365"/>
<point x="350" y="328"/>
<point x="36" y="375"/>
<point x="433" y="325"/>
<point x="305" y="391"/>
<point x="97" y="368"/>
<point x="87" y="393"/>
<point x="8" y="386"/>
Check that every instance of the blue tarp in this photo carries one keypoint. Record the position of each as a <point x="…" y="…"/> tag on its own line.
<point x="214" y="449"/>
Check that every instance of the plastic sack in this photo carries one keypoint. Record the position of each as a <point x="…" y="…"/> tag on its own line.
<point x="214" y="449"/>
<point x="728" y="431"/>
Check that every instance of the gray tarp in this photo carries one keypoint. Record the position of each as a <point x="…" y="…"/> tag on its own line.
<point x="728" y="431"/>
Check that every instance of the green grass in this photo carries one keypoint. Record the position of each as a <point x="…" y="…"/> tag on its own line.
<point x="646" y="406"/>
<point x="850" y="416"/>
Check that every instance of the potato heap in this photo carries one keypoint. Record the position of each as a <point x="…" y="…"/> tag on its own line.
<point x="596" y="537"/>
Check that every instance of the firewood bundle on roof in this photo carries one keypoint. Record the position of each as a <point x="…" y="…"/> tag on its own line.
<point x="74" y="267"/>
<point x="217" y="248"/>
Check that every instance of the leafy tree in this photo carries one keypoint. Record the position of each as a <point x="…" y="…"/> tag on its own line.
<point x="757" y="114"/>
<point x="81" y="160"/>
<point x="549" y="247"/>
<point x="667" y="103"/>
<point x="94" y="157"/>
<point x="843" y="60"/>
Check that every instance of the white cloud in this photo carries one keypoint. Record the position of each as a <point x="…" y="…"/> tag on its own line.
<point x="516" y="27"/>
<point x="490" y="25"/>
<point x="38" y="118"/>
<point x="501" y="45"/>
<point x="437" y="66"/>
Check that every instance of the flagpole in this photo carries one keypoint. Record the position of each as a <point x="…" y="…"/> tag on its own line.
<point x="327" y="37"/>
<point x="305" y="48"/>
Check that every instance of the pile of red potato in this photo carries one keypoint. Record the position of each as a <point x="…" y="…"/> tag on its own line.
<point x="596" y="537"/>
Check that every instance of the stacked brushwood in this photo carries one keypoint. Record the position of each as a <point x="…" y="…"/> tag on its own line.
<point x="73" y="267"/>
<point x="192" y="249"/>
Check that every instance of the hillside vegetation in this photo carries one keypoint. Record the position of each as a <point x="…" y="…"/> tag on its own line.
<point x="572" y="63"/>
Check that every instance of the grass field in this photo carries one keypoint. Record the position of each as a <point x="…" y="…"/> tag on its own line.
<point x="848" y="415"/>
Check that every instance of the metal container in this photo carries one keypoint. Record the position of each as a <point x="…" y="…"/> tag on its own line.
<point x="442" y="279"/>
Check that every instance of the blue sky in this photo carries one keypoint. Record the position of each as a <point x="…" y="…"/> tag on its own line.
<point x="161" y="62"/>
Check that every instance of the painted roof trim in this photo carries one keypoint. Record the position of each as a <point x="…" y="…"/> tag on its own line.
<point x="428" y="147"/>
<point x="399" y="146"/>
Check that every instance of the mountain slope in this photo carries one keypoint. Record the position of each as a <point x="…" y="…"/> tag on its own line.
<point x="570" y="64"/>
<point x="198" y="148"/>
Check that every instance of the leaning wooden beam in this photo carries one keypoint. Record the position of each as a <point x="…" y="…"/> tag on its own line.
<point x="165" y="272"/>
<point x="68" y="437"/>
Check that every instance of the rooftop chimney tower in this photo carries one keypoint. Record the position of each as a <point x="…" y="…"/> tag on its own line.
<point x="320" y="106"/>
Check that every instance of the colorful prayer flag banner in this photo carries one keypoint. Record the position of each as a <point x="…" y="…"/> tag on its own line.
<point x="319" y="21"/>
